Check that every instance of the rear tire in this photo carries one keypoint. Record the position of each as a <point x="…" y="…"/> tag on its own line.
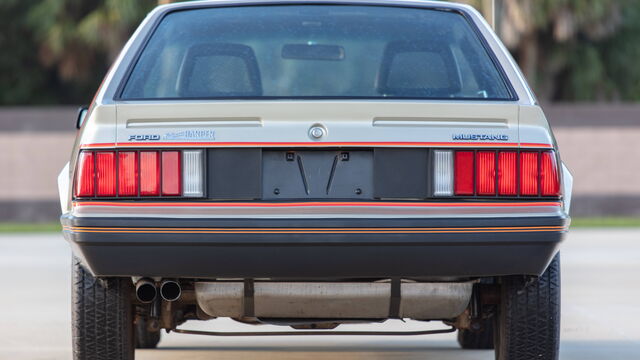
<point x="102" y="319"/>
<point x="478" y="339"/>
<point x="528" y="322"/>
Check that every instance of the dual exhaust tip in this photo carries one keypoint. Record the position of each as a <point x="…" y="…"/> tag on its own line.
<point x="147" y="290"/>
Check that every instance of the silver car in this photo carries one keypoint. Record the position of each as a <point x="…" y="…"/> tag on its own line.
<point x="309" y="164"/>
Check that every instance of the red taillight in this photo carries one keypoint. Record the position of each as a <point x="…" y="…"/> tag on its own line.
<point x="149" y="173"/>
<point x="463" y="174"/>
<point x="106" y="173"/>
<point x="171" y="174"/>
<point x="127" y="173"/>
<point x="85" y="175"/>
<point x="139" y="173"/>
<point x="507" y="170"/>
<point x="486" y="172"/>
<point x="529" y="173"/>
<point x="549" y="179"/>
<point x="505" y="173"/>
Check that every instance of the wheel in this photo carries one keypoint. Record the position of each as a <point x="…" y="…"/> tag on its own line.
<point x="528" y="321"/>
<point x="146" y="339"/>
<point x="102" y="320"/>
<point x="477" y="339"/>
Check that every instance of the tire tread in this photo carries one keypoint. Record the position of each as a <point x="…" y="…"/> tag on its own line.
<point x="101" y="317"/>
<point x="529" y="317"/>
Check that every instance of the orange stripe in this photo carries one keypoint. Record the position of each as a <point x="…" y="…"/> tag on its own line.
<point x="313" y="232"/>
<point x="544" y="146"/>
<point x="462" y="231"/>
<point x="307" y="144"/>
<point x="310" y="204"/>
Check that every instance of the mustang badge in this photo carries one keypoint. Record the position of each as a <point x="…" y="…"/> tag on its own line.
<point x="481" y="137"/>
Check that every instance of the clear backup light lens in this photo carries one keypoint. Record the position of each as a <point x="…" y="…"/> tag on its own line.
<point x="192" y="173"/>
<point x="443" y="173"/>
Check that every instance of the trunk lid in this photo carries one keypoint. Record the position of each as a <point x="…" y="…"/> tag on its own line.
<point x="346" y="123"/>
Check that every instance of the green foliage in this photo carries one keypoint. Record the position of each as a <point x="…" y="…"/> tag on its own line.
<point x="602" y="222"/>
<point x="77" y="35"/>
<point x="621" y="54"/>
<point x="57" y="51"/>
<point x="574" y="50"/>
<point x="20" y="72"/>
<point x="599" y="51"/>
<point x="6" y="227"/>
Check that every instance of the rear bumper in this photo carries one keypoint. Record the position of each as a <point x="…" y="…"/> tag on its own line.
<point x="315" y="248"/>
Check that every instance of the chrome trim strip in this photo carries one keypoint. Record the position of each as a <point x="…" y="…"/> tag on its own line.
<point x="312" y="212"/>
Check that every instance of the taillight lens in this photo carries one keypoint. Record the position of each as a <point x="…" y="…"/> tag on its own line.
<point x="529" y="173"/>
<point x="464" y="173"/>
<point x="84" y="186"/>
<point x="106" y="173"/>
<point x="192" y="173"/>
<point x="443" y="173"/>
<point x="171" y="173"/>
<point x="133" y="174"/>
<point x="549" y="177"/>
<point x="507" y="173"/>
<point x="128" y="173"/>
<point x="149" y="173"/>
<point x="486" y="172"/>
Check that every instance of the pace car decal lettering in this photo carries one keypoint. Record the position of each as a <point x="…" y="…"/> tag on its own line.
<point x="481" y="137"/>
<point x="197" y="134"/>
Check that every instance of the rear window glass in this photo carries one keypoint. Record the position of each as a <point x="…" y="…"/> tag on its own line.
<point x="315" y="51"/>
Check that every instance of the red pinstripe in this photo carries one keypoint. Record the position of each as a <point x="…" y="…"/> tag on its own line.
<point x="310" y="144"/>
<point x="310" y="204"/>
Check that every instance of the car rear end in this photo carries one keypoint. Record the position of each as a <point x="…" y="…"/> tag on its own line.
<point x="324" y="209"/>
<point x="320" y="156"/>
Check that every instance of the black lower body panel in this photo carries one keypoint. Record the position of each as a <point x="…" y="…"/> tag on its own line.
<point x="314" y="249"/>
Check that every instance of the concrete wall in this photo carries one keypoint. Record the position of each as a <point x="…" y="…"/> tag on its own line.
<point x="598" y="142"/>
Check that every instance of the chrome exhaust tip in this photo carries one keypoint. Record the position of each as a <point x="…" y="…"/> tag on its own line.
<point x="146" y="291"/>
<point x="170" y="290"/>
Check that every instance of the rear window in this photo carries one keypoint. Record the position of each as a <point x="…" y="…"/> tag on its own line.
<point x="315" y="51"/>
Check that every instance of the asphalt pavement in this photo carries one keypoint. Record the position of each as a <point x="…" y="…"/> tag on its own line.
<point x="600" y="311"/>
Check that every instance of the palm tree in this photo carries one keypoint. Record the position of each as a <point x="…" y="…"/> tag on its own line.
<point x="557" y="41"/>
<point x="78" y="37"/>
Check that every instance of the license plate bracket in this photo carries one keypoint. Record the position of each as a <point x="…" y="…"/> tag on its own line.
<point x="317" y="174"/>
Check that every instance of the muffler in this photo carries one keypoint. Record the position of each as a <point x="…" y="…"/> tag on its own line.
<point x="146" y="290"/>
<point x="317" y="300"/>
<point x="170" y="290"/>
